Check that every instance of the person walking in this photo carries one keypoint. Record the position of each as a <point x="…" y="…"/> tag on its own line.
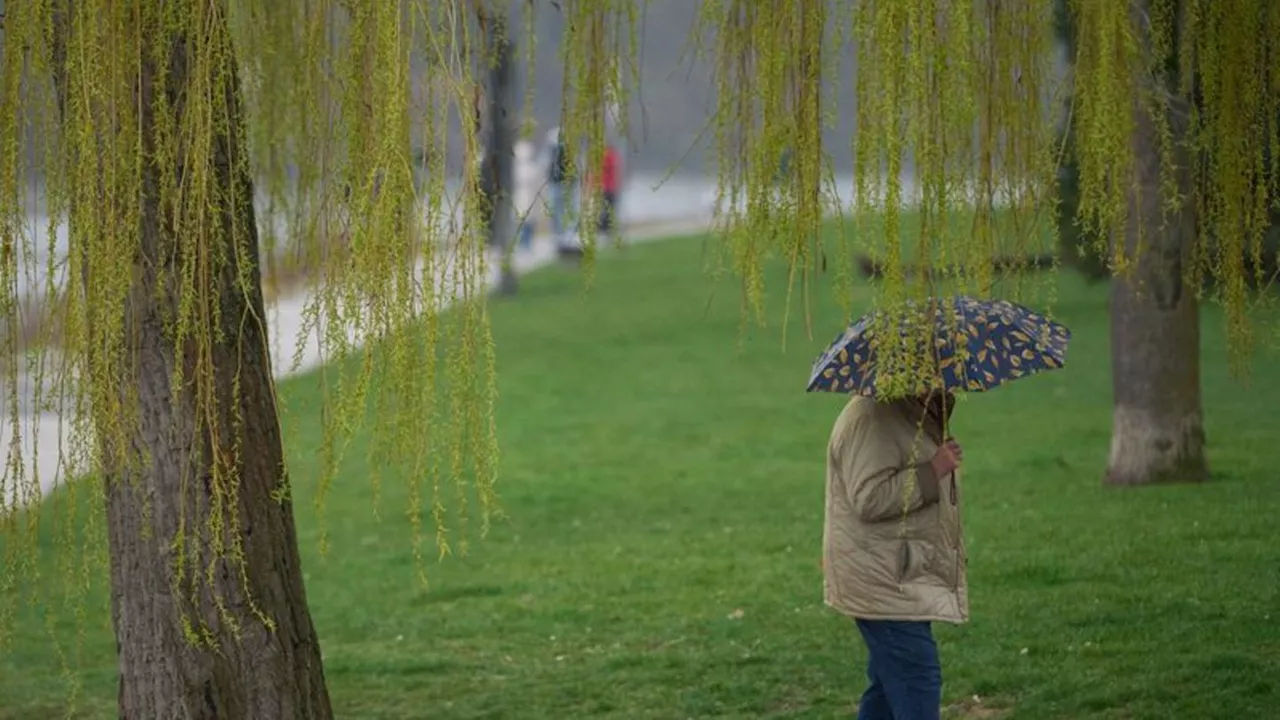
<point x="610" y="172"/>
<point x="561" y="189"/>
<point x="893" y="552"/>
<point x="528" y="177"/>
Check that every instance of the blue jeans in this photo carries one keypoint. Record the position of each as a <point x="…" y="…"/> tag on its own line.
<point x="526" y="233"/>
<point x="903" y="668"/>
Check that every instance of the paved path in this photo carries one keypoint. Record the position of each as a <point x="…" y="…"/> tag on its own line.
<point x="44" y="435"/>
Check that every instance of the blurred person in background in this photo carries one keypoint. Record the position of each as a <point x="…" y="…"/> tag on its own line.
<point x="561" y="189"/>
<point x="528" y="181"/>
<point x="610" y="181"/>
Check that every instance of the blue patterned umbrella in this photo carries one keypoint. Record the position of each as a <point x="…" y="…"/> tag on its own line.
<point x="978" y="344"/>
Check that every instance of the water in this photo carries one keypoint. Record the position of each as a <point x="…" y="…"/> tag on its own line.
<point x="645" y="198"/>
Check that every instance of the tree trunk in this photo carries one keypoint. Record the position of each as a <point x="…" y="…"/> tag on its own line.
<point x="499" y="147"/>
<point x="1158" y="430"/>
<point x="213" y="636"/>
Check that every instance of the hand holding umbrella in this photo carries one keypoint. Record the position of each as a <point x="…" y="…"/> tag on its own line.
<point x="975" y="345"/>
<point x="946" y="461"/>
<point x="948" y="458"/>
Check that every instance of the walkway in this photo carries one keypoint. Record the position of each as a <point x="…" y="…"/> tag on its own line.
<point x="42" y="438"/>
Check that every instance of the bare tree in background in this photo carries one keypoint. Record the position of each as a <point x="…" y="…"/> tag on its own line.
<point x="496" y="169"/>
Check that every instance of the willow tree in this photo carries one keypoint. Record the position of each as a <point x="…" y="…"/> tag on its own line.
<point x="1174" y="112"/>
<point x="155" y="130"/>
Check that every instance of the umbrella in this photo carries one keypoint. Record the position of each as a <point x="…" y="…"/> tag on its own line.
<point x="979" y="345"/>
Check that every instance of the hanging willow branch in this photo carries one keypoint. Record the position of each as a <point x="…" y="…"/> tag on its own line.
<point x="952" y="144"/>
<point x="956" y="110"/>
<point x="335" y="96"/>
<point x="1219" y="62"/>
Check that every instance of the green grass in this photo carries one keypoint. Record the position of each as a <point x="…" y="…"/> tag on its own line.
<point x="661" y="559"/>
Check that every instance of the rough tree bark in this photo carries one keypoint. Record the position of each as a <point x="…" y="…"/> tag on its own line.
<point x="256" y="672"/>
<point x="1158" y="429"/>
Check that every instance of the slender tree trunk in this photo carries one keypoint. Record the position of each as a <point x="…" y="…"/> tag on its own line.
<point x="180" y="654"/>
<point x="499" y="146"/>
<point x="1158" y="429"/>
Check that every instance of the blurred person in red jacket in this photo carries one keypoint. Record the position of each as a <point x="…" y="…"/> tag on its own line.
<point x="609" y="181"/>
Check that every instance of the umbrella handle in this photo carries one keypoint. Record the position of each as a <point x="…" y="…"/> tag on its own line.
<point x="953" y="487"/>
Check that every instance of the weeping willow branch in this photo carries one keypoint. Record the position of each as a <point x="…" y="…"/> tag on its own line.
<point x="331" y="99"/>
<point x="1220" y="62"/>
<point x="957" y="102"/>
<point x="953" y="120"/>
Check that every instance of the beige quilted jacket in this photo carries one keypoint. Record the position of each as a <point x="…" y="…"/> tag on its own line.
<point x="892" y="544"/>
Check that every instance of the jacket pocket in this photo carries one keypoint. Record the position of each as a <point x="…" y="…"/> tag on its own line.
<point x="913" y="560"/>
<point x="924" y="561"/>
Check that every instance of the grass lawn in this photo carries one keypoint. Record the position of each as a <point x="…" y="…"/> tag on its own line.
<point x="661" y="559"/>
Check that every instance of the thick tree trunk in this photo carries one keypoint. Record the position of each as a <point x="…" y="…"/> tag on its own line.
<point x="1158" y="432"/>
<point x="210" y="636"/>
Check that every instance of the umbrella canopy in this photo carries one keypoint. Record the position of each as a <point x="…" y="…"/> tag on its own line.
<point x="978" y="345"/>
